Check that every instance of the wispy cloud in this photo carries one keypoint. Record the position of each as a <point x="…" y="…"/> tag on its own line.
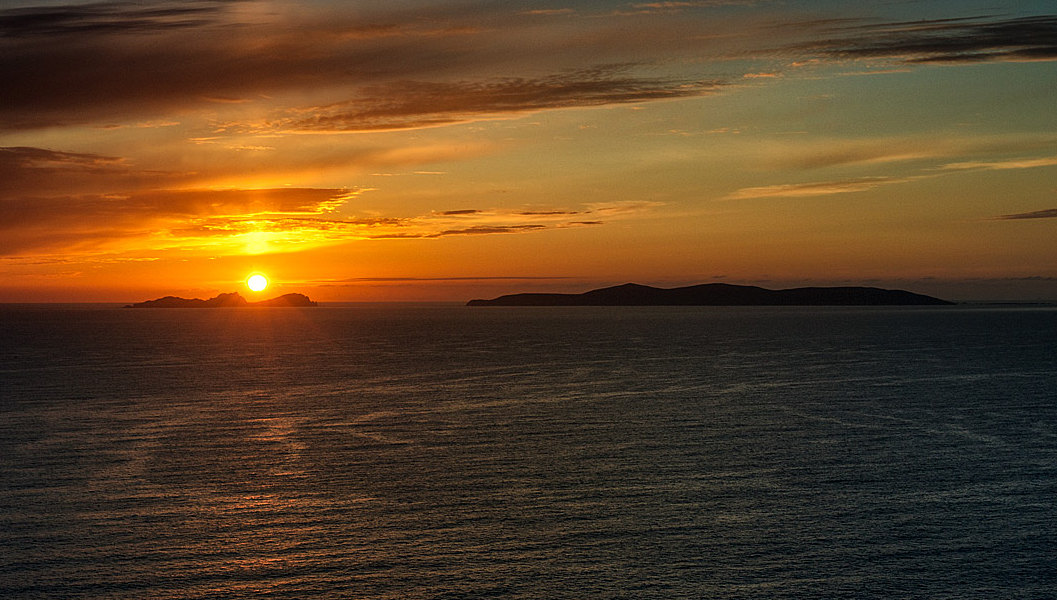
<point x="1002" y="165"/>
<point x="1050" y="213"/>
<point x="960" y="40"/>
<point x="104" y="17"/>
<point x="43" y="172"/>
<point x="381" y="67"/>
<point x="411" y="104"/>
<point x="397" y="279"/>
<point x="817" y="188"/>
<point x="939" y="150"/>
<point x="118" y="208"/>
<point x="250" y="221"/>
<point x="621" y="207"/>
<point x="685" y="4"/>
<point x="923" y="158"/>
<point x="152" y="219"/>
<point x="42" y="158"/>
<point x="201" y="55"/>
<point x="549" y="12"/>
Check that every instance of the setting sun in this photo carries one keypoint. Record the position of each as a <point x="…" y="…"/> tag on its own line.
<point x="257" y="282"/>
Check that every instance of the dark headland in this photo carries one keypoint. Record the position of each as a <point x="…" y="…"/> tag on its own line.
<point x="231" y="300"/>
<point x="719" y="294"/>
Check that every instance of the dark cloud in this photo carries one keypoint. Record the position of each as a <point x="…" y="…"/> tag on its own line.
<point x="43" y="172"/>
<point x="80" y="64"/>
<point x="467" y="211"/>
<point x="978" y="39"/>
<point x="110" y="63"/>
<point x="412" y="104"/>
<point x="1050" y="213"/>
<point x="25" y="156"/>
<point x="489" y="230"/>
<point x="103" y="17"/>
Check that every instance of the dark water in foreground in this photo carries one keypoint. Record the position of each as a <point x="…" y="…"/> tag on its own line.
<point x="451" y="452"/>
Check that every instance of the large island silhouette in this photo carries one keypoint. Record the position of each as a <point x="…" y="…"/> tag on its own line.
<point x="229" y="300"/>
<point x="718" y="294"/>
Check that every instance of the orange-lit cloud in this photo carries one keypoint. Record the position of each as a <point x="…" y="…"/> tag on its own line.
<point x="1003" y="165"/>
<point x="156" y="219"/>
<point x="821" y="153"/>
<point x="208" y="56"/>
<point x="407" y="104"/>
<point x="249" y="221"/>
<point x="816" y="188"/>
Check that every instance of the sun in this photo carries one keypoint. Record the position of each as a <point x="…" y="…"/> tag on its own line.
<point x="257" y="282"/>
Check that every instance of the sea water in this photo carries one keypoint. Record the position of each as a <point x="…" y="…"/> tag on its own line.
<point x="437" y="451"/>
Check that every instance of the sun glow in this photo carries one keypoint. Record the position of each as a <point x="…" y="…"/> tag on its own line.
<point x="257" y="282"/>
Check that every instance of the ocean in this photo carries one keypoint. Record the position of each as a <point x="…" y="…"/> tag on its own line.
<point x="441" y="451"/>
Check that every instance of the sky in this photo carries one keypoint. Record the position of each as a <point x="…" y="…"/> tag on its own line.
<point x="442" y="151"/>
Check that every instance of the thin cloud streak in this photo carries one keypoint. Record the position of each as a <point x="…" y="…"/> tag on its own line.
<point x="817" y="188"/>
<point x="1050" y="213"/>
<point x="493" y="278"/>
<point x="952" y="41"/>
<point x="1004" y="165"/>
<point x="104" y="17"/>
<point x="416" y="104"/>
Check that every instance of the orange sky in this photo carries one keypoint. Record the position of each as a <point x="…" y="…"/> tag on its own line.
<point x="444" y="151"/>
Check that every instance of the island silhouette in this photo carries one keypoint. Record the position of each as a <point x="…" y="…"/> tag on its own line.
<point x="718" y="294"/>
<point x="229" y="300"/>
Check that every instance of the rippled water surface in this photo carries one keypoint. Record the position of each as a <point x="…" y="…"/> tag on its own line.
<point x="452" y="452"/>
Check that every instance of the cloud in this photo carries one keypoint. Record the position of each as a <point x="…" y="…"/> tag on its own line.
<point x="963" y="40"/>
<point x="549" y="12"/>
<point x="103" y="17"/>
<point x="836" y="153"/>
<point x="245" y="221"/>
<point x="1025" y="163"/>
<point x="43" y="172"/>
<point x="28" y="157"/>
<point x="828" y="152"/>
<point x="644" y="8"/>
<point x="116" y="63"/>
<point x="153" y="219"/>
<point x="498" y="278"/>
<point x="1050" y="213"/>
<point x="818" y="188"/>
<point x="415" y="104"/>
<point x="24" y="167"/>
<point x="148" y="209"/>
<point x="621" y="207"/>
<point x="489" y="230"/>
<point x="55" y="203"/>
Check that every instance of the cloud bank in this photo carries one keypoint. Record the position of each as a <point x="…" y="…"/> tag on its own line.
<point x="220" y="221"/>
